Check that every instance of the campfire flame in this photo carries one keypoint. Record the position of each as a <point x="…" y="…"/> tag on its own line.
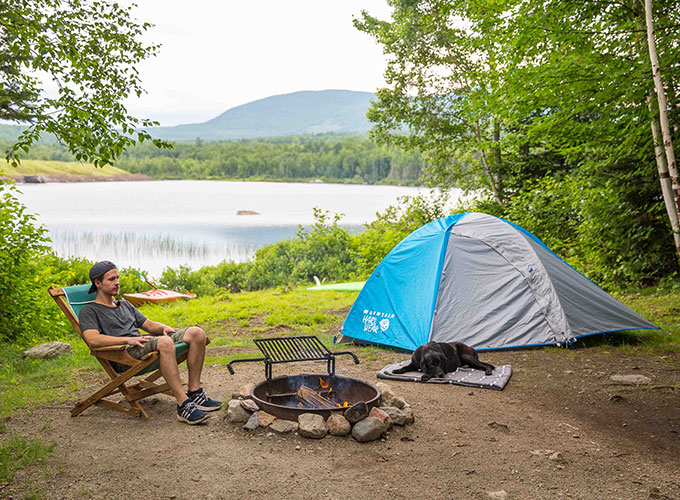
<point x="325" y="384"/>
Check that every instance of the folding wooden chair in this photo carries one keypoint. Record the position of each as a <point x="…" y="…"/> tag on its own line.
<point x="71" y="300"/>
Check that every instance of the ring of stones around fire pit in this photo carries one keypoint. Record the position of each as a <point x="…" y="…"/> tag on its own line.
<point x="363" y="425"/>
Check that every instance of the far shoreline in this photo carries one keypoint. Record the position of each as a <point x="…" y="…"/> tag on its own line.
<point x="45" y="179"/>
<point x="32" y="171"/>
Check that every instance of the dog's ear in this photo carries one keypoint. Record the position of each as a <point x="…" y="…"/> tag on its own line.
<point x="432" y="359"/>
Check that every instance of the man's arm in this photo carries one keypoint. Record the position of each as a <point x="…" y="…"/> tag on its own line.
<point x="95" y="339"/>
<point x="155" y="328"/>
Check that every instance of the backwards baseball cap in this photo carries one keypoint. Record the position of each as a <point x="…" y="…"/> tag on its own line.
<point x="99" y="270"/>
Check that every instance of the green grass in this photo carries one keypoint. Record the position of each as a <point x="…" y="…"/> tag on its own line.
<point x="296" y="307"/>
<point x="19" y="452"/>
<point x="661" y="306"/>
<point x="53" y="168"/>
<point x="28" y="383"/>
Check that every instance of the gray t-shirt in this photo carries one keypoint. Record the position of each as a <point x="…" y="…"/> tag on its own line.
<point x="120" y="321"/>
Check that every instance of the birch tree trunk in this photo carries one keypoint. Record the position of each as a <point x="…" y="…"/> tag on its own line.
<point x="664" y="176"/>
<point x="663" y="120"/>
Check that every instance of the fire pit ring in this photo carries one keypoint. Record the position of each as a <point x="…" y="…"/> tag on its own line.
<point x="277" y="396"/>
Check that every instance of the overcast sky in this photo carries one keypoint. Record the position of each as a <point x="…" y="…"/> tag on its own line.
<point x="219" y="54"/>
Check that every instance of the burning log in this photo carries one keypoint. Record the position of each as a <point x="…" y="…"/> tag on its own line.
<point x="313" y="398"/>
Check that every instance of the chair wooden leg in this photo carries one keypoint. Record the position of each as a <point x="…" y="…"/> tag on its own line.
<point x="120" y="408"/>
<point x="117" y="383"/>
<point x="132" y="393"/>
<point x="144" y="393"/>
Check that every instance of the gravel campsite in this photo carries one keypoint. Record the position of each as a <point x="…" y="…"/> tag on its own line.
<point x="560" y="429"/>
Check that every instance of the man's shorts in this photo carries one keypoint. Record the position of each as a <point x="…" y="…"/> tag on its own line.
<point x="138" y="352"/>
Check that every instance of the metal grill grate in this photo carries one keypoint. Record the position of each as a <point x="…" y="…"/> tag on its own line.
<point x="292" y="349"/>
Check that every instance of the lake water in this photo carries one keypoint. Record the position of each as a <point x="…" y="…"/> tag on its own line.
<point x="157" y="224"/>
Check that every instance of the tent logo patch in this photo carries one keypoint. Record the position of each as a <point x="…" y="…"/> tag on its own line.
<point x="376" y="320"/>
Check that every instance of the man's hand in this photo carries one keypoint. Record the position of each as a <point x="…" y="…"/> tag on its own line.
<point x="167" y="330"/>
<point x="138" y="341"/>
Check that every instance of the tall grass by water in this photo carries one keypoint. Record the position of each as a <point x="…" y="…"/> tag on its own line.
<point x="145" y="247"/>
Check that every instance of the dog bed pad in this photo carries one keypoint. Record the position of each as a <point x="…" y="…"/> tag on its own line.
<point x="471" y="377"/>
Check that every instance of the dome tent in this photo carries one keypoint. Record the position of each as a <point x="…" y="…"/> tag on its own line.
<point x="481" y="280"/>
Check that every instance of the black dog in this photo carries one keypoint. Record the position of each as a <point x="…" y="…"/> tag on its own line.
<point x="436" y="359"/>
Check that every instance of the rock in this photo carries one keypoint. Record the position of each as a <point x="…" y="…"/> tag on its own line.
<point x="386" y="390"/>
<point x="384" y="417"/>
<point x="542" y="453"/>
<point x="283" y="426"/>
<point x="557" y="457"/>
<point x="400" y="403"/>
<point x="48" y="350"/>
<point x="396" y="415"/>
<point x="395" y="401"/>
<point x="250" y="405"/>
<point x="498" y="495"/>
<point x="244" y="391"/>
<point x="265" y="418"/>
<point x="312" y="426"/>
<point x="630" y="379"/>
<point x="368" y="429"/>
<point x="252" y="423"/>
<point x="410" y="417"/>
<point x="236" y="413"/>
<point x="499" y="427"/>
<point x="338" y="425"/>
<point x="356" y="412"/>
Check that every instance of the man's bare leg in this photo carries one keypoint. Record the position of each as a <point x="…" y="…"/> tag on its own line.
<point x="169" y="369"/>
<point x="195" y="337"/>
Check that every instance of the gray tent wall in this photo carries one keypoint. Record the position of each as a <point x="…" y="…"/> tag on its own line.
<point x="501" y="287"/>
<point x="494" y="290"/>
<point x="588" y="308"/>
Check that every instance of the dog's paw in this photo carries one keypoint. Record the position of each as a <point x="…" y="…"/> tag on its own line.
<point x="425" y="378"/>
<point x="488" y="372"/>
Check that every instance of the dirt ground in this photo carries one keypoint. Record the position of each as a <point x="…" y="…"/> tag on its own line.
<point x="614" y="441"/>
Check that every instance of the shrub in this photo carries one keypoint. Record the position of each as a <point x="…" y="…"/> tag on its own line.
<point x="21" y="244"/>
<point x="183" y="279"/>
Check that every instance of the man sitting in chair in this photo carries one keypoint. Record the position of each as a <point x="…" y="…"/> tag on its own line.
<point x="107" y="322"/>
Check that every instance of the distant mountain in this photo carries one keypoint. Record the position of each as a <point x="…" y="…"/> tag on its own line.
<point x="305" y="112"/>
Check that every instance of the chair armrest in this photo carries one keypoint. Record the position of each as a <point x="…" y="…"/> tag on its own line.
<point x="108" y="348"/>
<point x="121" y="349"/>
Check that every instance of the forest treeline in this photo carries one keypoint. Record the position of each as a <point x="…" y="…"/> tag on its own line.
<point x="337" y="158"/>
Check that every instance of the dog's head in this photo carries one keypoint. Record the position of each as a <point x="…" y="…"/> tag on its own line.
<point x="432" y="364"/>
